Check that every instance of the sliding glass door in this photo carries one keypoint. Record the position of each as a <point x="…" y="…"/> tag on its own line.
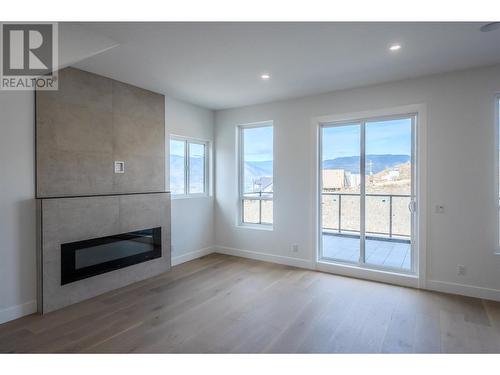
<point x="367" y="190"/>
<point x="341" y="192"/>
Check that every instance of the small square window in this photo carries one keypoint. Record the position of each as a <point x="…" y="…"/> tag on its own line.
<point x="188" y="167"/>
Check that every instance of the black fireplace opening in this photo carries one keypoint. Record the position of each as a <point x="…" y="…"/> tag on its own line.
<point x="95" y="256"/>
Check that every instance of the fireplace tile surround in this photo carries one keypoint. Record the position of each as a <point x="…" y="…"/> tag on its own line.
<point x="70" y="219"/>
<point x="81" y="130"/>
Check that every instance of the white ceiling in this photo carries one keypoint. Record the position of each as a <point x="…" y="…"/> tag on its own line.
<point x="218" y="65"/>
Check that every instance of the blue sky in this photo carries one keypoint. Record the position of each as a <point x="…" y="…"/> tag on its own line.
<point x="176" y="147"/>
<point x="195" y="149"/>
<point x="384" y="137"/>
<point x="258" y="143"/>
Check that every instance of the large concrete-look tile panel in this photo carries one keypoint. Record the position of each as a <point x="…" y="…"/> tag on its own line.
<point x="74" y="219"/>
<point x="139" y="138"/>
<point x="74" y="173"/>
<point x="90" y="122"/>
<point x="75" y="136"/>
<point x="136" y="177"/>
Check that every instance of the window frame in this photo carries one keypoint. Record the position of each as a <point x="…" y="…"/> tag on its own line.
<point x="206" y="175"/>
<point x="240" y="176"/>
<point x="497" y="170"/>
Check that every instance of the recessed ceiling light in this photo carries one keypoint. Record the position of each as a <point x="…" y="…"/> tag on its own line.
<point x="265" y="77"/>
<point x="395" y="47"/>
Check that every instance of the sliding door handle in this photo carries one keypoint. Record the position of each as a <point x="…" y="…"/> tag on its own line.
<point x="412" y="206"/>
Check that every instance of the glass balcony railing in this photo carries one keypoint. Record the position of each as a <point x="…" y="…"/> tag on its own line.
<point x="257" y="208"/>
<point x="386" y="215"/>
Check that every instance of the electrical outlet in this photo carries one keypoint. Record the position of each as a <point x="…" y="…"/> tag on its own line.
<point x="439" y="209"/>
<point x="295" y="248"/>
<point x="460" y="270"/>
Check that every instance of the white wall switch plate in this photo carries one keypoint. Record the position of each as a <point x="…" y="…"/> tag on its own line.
<point x="119" y="167"/>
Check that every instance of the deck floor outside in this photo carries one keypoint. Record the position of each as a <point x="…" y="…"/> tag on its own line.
<point x="380" y="253"/>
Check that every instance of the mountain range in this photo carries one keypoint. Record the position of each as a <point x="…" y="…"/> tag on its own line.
<point x="377" y="162"/>
<point x="349" y="163"/>
<point x="256" y="169"/>
<point x="177" y="173"/>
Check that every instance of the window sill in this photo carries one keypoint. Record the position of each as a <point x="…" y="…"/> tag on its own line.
<point x="191" y="196"/>
<point x="265" y="227"/>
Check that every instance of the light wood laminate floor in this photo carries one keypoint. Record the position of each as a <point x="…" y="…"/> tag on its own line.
<point x="226" y="304"/>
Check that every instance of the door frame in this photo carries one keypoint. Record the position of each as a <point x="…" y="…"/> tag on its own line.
<point x="420" y="185"/>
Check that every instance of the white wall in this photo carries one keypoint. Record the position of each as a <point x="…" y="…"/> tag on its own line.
<point x="192" y="218"/>
<point x="17" y="205"/>
<point x="460" y="171"/>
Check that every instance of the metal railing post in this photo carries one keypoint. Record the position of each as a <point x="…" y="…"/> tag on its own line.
<point x="340" y="212"/>
<point x="390" y="216"/>
<point x="260" y="207"/>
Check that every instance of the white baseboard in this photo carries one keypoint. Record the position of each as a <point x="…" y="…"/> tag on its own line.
<point x="18" y="311"/>
<point x="279" y="259"/>
<point x="463" y="290"/>
<point x="191" y="255"/>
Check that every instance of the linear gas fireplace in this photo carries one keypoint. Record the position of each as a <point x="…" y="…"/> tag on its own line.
<point x="95" y="256"/>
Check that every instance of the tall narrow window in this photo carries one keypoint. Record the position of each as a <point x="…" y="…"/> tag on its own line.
<point x="256" y="174"/>
<point x="188" y="167"/>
